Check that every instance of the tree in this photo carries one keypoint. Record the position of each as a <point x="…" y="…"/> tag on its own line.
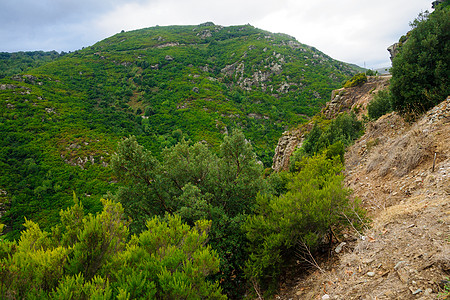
<point x="315" y="205"/>
<point x="421" y="71"/>
<point x="90" y="257"/>
<point x="195" y="184"/>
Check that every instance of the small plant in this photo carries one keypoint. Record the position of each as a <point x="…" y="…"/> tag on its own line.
<point x="445" y="293"/>
<point x="372" y="143"/>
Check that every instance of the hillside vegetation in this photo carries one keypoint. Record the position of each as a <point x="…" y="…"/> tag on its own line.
<point x="61" y="122"/>
<point x="173" y="125"/>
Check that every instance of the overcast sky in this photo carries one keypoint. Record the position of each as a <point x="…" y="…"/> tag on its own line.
<point x="354" y="31"/>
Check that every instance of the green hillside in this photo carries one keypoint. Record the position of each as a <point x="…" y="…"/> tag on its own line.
<point x="18" y="62"/>
<point x="60" y="122"/>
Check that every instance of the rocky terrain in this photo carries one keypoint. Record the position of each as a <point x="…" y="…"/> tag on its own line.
<point x="401" y="172"/>
<point x="342" y="100"/>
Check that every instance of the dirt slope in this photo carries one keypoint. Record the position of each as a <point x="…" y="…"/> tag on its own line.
<point x="406" y="252"/>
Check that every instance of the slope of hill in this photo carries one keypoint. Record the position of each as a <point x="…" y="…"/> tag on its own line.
<point x="353" y="99"/>
<point x="18" y="62"/>
<point x="400" y="171"/>
<point x="61" y="121"/>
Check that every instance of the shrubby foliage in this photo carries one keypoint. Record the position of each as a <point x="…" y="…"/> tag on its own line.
<point x="380" y="104"/>
<point x="60" y="122"/>
<point x="315" y="205"/>
<point x="421" y="71"/>
<point x="195" y="184"/>
<point x="92" y="257"/>
<point x="356" y="80"/>
<point x="329" y="137"/>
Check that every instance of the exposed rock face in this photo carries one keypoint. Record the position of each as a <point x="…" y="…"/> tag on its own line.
<point x="342" y="100"/>
<point x="393" y="50"/>
<point x="355" y="98"/>
<point x="287" y="144"/>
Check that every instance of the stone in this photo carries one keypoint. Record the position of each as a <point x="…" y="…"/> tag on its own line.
<point x="326" y="296"/>
<point x="371" y="274"/>
<point x="338" y="249"/>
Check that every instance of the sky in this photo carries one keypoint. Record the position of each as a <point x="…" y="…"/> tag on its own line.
<point x="353" y="31"/>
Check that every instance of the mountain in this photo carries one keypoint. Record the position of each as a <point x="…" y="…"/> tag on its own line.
<point x="61" y="121"/>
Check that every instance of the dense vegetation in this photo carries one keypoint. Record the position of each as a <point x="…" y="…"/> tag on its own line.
<point x="421" y="71"/>
<point x="196" y="184"/>
<point x="148" y="120"/>
<point x="18" y="62"/>
<point x="328" y="137"/>
<point x="93" y="257"/>
<point x="60" y="122"/>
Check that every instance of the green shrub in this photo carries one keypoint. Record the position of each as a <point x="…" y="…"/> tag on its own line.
<point x="421" y="71"/>
<point x="93" y="257"/>
<point x="380" y="105"/>
<point x="356" y="80"/>
<point x="344" y="128"/>
<point x="316" y="204"/>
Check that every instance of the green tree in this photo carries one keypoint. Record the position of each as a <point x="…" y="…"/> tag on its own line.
<point x="421" y="71"/>
<point x="380" y="105"/>
<point x="92" y="257"/>
<point x="316" y="204"/>
<point x="195" y="183"/>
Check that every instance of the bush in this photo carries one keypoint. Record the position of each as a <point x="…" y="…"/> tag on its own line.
<point x="380" y="105"/>
<point x="315" y="205"/>
<point x="356" y="80"/>
<point x="93" y="257"/>
<point x="421" y="71"/>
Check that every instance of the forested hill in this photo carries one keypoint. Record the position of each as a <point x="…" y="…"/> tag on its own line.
<point x="61" y="121"/>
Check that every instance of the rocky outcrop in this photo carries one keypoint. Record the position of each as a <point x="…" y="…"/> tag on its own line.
<point x="342" y="100"/>
<point x="287" y="144"/>
<point x="393" y="50"/>
<point x="355" y="98"/>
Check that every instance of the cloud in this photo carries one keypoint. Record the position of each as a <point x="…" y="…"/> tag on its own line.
<point x="355" y="31"/>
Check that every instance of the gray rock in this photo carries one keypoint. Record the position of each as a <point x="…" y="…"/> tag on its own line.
<point x="371" y="274"/>
<point x="338" y="249"/>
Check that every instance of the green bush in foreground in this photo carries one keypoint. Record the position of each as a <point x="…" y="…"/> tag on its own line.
<point x="88" y="257"/>
<point x="315" y="205"/>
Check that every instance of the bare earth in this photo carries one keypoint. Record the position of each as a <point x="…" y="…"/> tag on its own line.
<point x="405" y="254"/>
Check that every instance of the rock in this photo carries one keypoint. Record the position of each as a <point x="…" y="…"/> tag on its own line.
<point x="367" y="261"/>
<point x="415" y="292"/>
<point x="338" y="249"/>
<point x="168" y="58"/>
<point x="428" y="292"/>
<point x="326" y="296"/>
<point x="402" y="275"/>
<point x="399" y="264"/>
<point x="370" y="274"/>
